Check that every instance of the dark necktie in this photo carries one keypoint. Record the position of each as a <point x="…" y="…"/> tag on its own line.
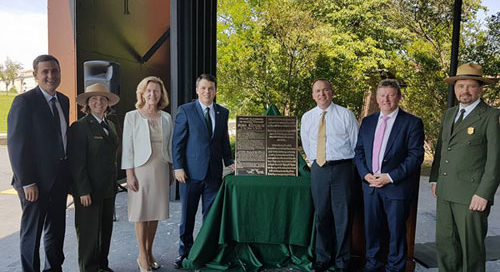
<point x="208" y="120"/>
<point x="105" y="126"/>
<point x="460" y="119"/>
<point x="57" y="123"/>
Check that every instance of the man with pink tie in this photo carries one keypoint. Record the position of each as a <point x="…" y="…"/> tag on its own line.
<point x="389" y="152"/>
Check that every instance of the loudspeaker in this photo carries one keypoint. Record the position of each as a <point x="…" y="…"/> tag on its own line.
<point x="104" y="72"/>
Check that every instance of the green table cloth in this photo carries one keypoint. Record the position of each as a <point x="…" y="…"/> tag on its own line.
<point x="257" y="222"/>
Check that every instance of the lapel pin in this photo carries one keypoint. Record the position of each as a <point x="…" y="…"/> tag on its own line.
<point x="470" y="130"/>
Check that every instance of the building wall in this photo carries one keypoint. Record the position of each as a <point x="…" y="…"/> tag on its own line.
<point x="119" y="31"/>
<point x="24" y="82"/>
<point x="123" y="31"/>
<point x="62" y="44"/>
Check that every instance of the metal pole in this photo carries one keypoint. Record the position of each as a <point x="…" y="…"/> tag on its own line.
<point x="455" y="41"/>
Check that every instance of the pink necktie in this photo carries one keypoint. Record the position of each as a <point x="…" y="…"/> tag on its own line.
<point x="377" y="144"/>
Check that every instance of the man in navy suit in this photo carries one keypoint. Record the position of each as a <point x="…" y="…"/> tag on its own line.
<point x="389" y="152"/>
<point x="200" y="144"/>
<point x="36" y="141"/>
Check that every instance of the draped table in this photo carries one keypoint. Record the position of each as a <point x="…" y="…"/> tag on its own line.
<point x="255" y="222"/>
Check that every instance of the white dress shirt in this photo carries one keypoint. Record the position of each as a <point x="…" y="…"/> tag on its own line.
<point x="62" y="121"/>
<point x="468" y="109"/>
<point x="341" y="132"/>
<point x="99" y="121"/>
<point x="211" y="112"/>
<point x="390" y="123"/>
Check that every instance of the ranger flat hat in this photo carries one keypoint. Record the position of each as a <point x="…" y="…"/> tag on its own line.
<point x="470" y="71"/>
<point x="97" y="89"/>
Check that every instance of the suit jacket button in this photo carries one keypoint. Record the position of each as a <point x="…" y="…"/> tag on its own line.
<point x="449" y="148"/>
<point x="446" y="161"/>
<point x="444" y="174"/>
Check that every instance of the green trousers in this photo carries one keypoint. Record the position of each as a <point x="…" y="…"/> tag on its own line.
<point x="460" y="235"/>
<point x="94" y="225"/>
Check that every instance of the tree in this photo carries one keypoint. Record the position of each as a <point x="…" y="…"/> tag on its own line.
<point x="3" y="77"/>
<point x="425" y="57"/>
<point x="265" y="53"/>
<point x="483" y="46"/>
<point x="271" y="51"/>
<point x="9" y="71"/>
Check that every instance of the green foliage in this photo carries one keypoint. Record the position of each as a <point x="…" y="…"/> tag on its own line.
<point x="262" y="57"/>
<point x="483" y="46"/>
<point x="5" y="103"/>
<point x="232" y="143"/>
<point x="269" y="52"/>
<point x="9" y="71"/>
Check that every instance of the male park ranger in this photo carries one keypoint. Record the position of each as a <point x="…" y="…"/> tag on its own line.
<point x="465" y="173"/>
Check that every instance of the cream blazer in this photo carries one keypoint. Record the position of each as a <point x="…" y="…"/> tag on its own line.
<point x="136" y="145"/>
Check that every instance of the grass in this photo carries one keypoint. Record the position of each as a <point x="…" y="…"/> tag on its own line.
<point x="5" y="102"/>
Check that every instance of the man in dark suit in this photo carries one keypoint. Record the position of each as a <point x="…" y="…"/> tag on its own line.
<point x="465" y="173"/>
<point x="200" y="144"/>
<point x="36" y="141"/>
<point x="389" y="153"/>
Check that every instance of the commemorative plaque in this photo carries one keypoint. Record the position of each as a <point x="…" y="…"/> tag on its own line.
<point x="266" y="145"/>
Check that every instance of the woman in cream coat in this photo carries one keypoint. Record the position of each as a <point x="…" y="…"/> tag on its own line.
<point x="147" y="159"/>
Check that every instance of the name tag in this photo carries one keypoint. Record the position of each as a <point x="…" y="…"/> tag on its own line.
<point x="98" y="138"/>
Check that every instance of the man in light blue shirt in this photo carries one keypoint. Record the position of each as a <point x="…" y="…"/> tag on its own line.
<point x="389" y="152"/>
<point x="329" y="134"/>
<point x="36" y="140"/>
<point x="200" y="144"/>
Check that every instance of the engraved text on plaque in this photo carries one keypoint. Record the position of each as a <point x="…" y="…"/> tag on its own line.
<point x="266" y="145"/>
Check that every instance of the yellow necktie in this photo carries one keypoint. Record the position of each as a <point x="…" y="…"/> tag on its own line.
<point x="321" y="148"/>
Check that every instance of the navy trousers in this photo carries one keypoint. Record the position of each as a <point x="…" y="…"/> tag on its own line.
<point x="47" y="215"/>
<point x="380" y="212"/>
<point x="331" y="193"/>
<point x="190" y="193"/>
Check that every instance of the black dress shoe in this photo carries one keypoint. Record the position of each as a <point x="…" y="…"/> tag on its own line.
<point x="178" y="261"/>
<point x="320" y="266"/>
<point x="105" y="269"/>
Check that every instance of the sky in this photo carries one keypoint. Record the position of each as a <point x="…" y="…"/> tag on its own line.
<point x="492" y="5"/>
<point x="23" y="28"/>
